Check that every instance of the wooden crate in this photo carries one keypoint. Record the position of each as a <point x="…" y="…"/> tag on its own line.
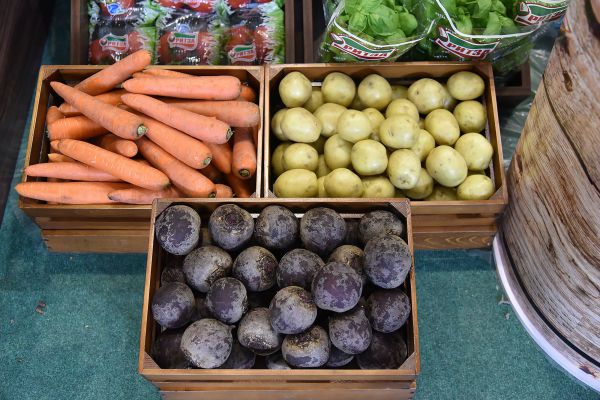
<point x="80" y="32"/>
<point x="437" y="224"/>
<point x="258" y="384"/>
<point x="103" y="228"/>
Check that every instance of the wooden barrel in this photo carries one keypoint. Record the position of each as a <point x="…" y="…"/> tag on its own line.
<point x="549" y="251"/>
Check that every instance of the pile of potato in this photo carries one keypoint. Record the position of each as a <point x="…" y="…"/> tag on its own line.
<point x="423" y="142"/>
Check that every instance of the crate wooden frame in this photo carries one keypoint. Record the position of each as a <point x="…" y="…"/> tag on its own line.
<point x="254" y="384"/>
<point x="437" y="224"/>
<point x="104" y="227"/>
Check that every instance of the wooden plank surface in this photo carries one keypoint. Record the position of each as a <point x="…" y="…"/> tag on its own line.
<point x="96" y="241"/>
<point x="552" y="225"/>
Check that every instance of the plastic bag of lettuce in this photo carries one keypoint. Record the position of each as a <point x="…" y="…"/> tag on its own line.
<point x="499" y="31"/>
<point x="371" y="30"/>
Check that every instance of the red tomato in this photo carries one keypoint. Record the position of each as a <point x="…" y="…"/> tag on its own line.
<point x="238" y="3"/>
<point x="262" y="41"/>
<point x="164" y="52"/>
<point x="124" y="5"/>
<point x="238" y="35"/>
<point x="97" y="55"/>
<point x="135" y="41"/>
<point x="203" y="6"/>
<point x="206" y="47"/>
<point x="263" y="1"/>
<point x="167" y="3"/>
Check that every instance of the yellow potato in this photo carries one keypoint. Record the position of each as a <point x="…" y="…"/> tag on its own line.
<point x="375" y="91"/>
<point x="337" y="152"/>
<point x="404" y="168"/>
<point x="338" y="88"/>
<point x="276" y="124"/>
<point x="442" y="193"/>
<point x="315" y="100"/>
<point x="446" y="166"/>
<point x="369" y="157"/>
<point x="321" y="187"/>
<point x="319" y="144"/>
<point x="421" y="123"/>
<point x="296" y="183"/>
<point x="378" y="187"/>
<point x="299" y="125"/>
<point x="376" y="118"/>
<point x="471" y="116"/>
<point x="399" y="92"/>
<point x="427" y="94"/>
<point x="295" y="89"/>
<point x="328" y="114"/>
<point x="277" y="158"/>
<point x="449" y="101"/>
<point x="402" y="106"/>
<point x="341" y="182"/>
<point x="399" y="132"/>
<point x="443" y="126"/>
<point x="475" y="187"/>
<point x="322" y="169"/>
<point x="476" y="150"/>
<point x="353" y="126"/>
<point x="465" y="85"/>
<point x="423" y="188"/>
<point x="425" y="143"/>
<point x="300" y="156"/>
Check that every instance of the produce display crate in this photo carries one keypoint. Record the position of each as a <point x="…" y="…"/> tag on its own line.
<point x="297" y="384"/>
<point x="115" y="228"/>
<point x="436" y="224"/>
<point x="80" y="33"/>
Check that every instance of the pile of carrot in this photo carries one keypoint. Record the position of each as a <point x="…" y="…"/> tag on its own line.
<point x="130" y="134"/>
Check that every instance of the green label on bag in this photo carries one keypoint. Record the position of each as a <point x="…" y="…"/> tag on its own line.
<point x="534" y="13"/>
<point x="242" y="53"/>
<point x="181" y="40"/>
<point x="349" y="45"/>
<point x="114" y="43"/>
<point x="463" y="48"/>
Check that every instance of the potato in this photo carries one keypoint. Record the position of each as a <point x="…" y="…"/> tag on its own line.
<point x="475" y="187"/>
<point x="357" y="104"/>
<point x="425" y="143"/>
<point x="369" y="157"/>
<point x="402" y="106"/>
<point x="403" y="169"/>
<point x="443" y="126"/>
<point x="399" y="92"/>
<point x="299" y="125"/>
<point x="296" y="183"/>
<point x="328" y="114"/>
<point x="321" y="187"/>
<point x="337" y="152"/>
<point x="442" y="193"/>
<point x="465" y="85"/>
<point x="276" y="124"/>
<point x="471" y="116"/>
<point x="315" y="100"/>
<point x="446" y="166"/>
<point x="277" y="158"/>
<point x="300" y="156"/>
<point x="353" y="126"/>
<point x="423" y="188"/>
<point x="322" y="167"/>
<point x="399" y="132"/>
<point x="421" y="123"/>
<point x="295" y="89"/>
<point x="375" y="91"/>
<point x="476" y="150"/>
<point x="427" y="94"/>
<point x="341" y="182"/>
<point x="319" y="144"/>
<point x="378" y="187"/>
<point x="376" y="118"/>
<point x="338" y="88"/>
<point x="449" y="101"/>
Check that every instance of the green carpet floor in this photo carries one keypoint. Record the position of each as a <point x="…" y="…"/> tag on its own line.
<point x="70" y="323"/>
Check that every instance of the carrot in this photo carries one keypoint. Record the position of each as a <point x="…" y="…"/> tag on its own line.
<point x="203" y="128"/>
<point x="69" y="192"/>
<point x="255" y="135"/>
<point x="223" y="191"/>
<point x="241" y="187"/>
<point x="73" y="171"/>
<point x="137" y="195"/>
<point x="247" y="94"/>
<point x="56" y="157"/>
<point x="233" y="112"/>
<point x="54" y="146"/>
<point x="113" y="98"/>
<point x="121" y="167"/>
<point x="244" y="153"/>
<point x="79" y="127"/>
<point x="109" y="77"/>
<point x="53" y="114"/>
<point x="188" y="180"/>
<point x="124" y="147"/>
<point x="166" y="73"/>
<point x="120" y="122"/>
<point x="212" y="173"/>
<point x="221" y="87"/>
<point x="222" y="156"/>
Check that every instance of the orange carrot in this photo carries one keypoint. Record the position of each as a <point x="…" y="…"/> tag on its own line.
<point x="56" y="157"/>
<point x="223" y="191"/>
<point x="188" y="180"/>
<point x="220" y="87"/>
<point x="137" y="195"/>
<point x="121" y="167"/>
<point x="203" y="128"/>
<point x="242" y="188"/>
<point x="166" y="73"/>
<point x="244" y="153"/>
<point x="70" y="192"/>
<point x="233" y="112"/>
<point x="113" y="98"/>
<point x="124" y="147"/>
<point x="109" y="77"/>
<point x="120" y="122"/>
<point x="222" y="156"/>
<point x="54" y="146"/>
<point x="212" y="173"/>
<point x="247" y="94"/>
<point x="79" y="127"/>
<point x="53" y="114"/>
<point x="73" y="171"/>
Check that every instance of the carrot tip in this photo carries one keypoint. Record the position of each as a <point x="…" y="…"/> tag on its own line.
<point x="244" y="173"/>
<point x="207" y="160"/>
<point x="229" y="134"/>
<point x="142" y="130"/>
